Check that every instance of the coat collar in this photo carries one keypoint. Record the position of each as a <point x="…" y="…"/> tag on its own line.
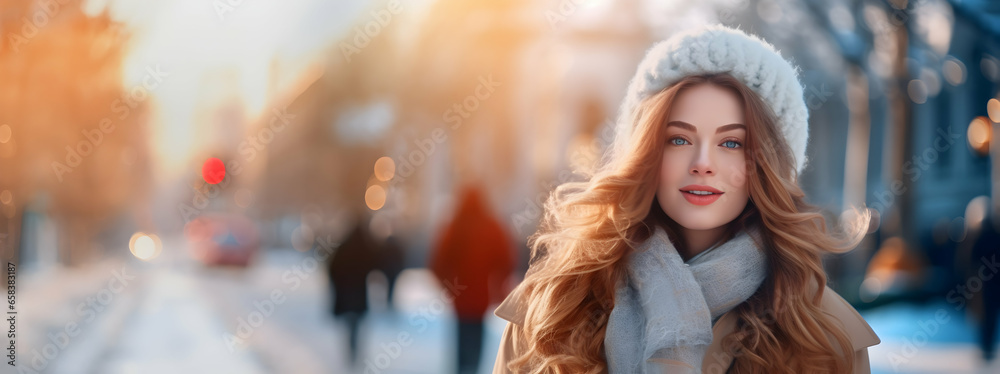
<point x="861" y="335"/>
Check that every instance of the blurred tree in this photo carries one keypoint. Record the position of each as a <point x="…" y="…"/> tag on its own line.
<point x="76" y="133"/>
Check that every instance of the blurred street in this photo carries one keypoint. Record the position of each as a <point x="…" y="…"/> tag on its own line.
<point x="182" y="310"/>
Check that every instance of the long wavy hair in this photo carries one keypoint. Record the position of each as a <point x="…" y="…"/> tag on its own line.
<point x="590" y="226"/>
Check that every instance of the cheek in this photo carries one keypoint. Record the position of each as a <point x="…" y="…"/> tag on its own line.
<point x="669" y="167"/>
<point x="736" y="173"/>
<point x="736" y="170"/>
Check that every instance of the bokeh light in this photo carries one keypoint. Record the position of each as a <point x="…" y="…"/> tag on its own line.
<point x="857" y="221"/>
<point x="144" y="246"/>
<point x="871" y="288"/>
<point x="4" y="133"/>
<point x="6" y="197"/>
<point x="375" y="197"/>
<point x="993" y="109"/>
<point x="979" y="134"/>
<point x="990" y="68"/>
<point x="953" y="71"/>
<point x="213" y="171"/>
<point x="385" y="169"/>
<point x="876" y="220"/>
<point x="917" y="90"/>
<point x="976" y="211"/>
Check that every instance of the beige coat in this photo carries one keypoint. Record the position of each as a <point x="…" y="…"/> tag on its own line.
<point x="716" y="359"/>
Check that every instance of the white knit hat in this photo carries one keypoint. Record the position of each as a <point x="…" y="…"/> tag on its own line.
<point x="718" y="49"/>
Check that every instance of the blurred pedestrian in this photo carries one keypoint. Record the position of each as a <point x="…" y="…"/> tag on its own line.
<point x="472" y="259"/>
<point x="983" y="243"/>
<point x="390" y="262"/>
<point x="348" y="270"/>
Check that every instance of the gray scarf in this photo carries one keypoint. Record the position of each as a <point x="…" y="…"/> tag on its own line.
<point x="665" y="309"/>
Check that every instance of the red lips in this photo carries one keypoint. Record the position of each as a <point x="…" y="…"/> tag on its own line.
<point x="700" y="199"/>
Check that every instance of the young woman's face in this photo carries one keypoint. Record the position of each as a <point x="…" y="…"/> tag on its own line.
<point x="704" y="153"/>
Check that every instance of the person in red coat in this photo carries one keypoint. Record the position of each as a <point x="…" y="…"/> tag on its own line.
<point x="472" y="259"/>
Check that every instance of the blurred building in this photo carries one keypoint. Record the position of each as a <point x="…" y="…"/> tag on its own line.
<point x="893" y="88"/>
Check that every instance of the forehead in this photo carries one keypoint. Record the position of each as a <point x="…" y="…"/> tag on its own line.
<point x="707" y="105"/>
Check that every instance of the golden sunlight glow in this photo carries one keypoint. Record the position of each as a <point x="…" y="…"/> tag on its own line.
<point x="227" y="65"/>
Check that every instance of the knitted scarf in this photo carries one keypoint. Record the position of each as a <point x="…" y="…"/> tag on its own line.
<point x="665" y="309"/>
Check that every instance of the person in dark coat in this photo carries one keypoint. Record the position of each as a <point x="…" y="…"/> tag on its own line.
<point x="985" y="242"/>
<point x="391" y="263"/>
<point x="472" y="259"/>
<point x="348" y="270"/>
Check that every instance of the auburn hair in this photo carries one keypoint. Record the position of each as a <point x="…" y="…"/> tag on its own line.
<point x="590" y="226"/>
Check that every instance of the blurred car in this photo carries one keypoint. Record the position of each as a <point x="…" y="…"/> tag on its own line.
<point x="223" y="239"/>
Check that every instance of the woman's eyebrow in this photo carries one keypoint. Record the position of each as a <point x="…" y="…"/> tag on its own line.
<point x="730" y="127"/>
<point x="689" y="127"/>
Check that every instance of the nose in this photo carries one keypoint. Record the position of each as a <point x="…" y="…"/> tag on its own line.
<point x="702" y="163"/>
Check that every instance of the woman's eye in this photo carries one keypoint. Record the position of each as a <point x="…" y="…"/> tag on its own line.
<point x="731" y="144"/>
<point x="678" y="141"/>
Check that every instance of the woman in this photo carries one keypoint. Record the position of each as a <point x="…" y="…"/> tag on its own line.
<point x="691" y="248"/>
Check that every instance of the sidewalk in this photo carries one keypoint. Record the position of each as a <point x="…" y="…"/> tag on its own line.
<point x="120" y="316"/>
<point x="64" y="314"/>
<point x="925" y="339"/>
<point x="174" y="331"/>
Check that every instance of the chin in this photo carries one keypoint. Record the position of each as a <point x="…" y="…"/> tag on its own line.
<point x="700" y="225"/>
<point x="700" y="221"/>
